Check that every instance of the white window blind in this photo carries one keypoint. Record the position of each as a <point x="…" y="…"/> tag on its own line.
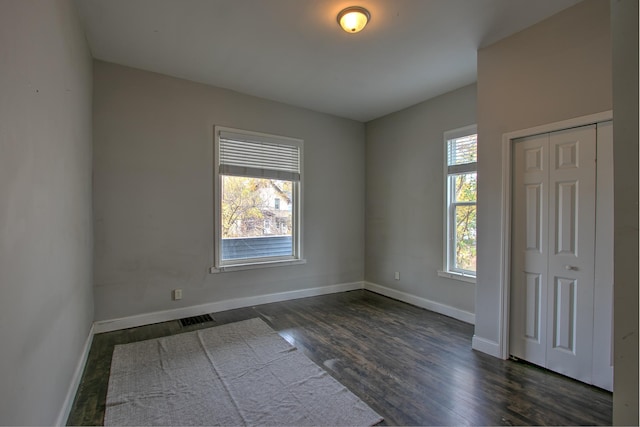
<point x="462" y="154"/>
<point x="259" y="156"/>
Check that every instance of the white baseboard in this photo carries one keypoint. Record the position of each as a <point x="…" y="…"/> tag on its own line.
<point x="484" y="345"/>
<point x="75" y="381"/>
<point x="437" y="307"/>
<point x="197" y="310"/>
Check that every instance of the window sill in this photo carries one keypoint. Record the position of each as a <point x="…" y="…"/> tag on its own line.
<point x="457" y="276"/>
<point x="255" y="265"/>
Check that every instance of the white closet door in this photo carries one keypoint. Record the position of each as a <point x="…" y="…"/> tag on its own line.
<point x="572" y="208"/>
<point x="528" y="332"/>
<point x="553" y="240"/>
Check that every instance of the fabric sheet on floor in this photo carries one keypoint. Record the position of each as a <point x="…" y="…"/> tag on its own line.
<point x="241" y="373"/>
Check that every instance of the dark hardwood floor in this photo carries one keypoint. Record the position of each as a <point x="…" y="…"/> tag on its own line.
<point x="412" y="366"/>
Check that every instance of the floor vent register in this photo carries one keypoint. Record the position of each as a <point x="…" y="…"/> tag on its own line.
<point x="196" y="320"/>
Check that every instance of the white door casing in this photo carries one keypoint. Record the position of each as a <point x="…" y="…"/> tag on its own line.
<point x="603" y="296"/>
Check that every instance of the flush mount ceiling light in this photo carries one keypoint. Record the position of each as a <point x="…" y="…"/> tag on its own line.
<point x="353" y="19"/>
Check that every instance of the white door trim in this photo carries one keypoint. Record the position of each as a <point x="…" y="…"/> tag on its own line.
<point x="505" y="267"/>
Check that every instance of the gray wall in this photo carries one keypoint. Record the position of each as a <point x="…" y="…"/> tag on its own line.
<point x="555" y="70"/>
<point x="405" y="193"/>
<point x="153" y="203"/>
<point x="624" y="23"/>
<point x="46" y="306"/>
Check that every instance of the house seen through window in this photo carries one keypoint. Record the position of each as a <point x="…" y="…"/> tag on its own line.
<point x="258" y="182"/>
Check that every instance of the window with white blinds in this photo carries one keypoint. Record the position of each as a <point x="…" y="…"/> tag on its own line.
<point x="460" y="203"/>
<point x="258" y="199"/>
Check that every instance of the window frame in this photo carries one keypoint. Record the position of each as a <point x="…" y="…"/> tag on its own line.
<point x="220" y="265"/>
<point x="449" y="235"/>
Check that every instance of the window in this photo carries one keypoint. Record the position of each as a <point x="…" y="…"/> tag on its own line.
<point x="258" y="182"/>
<point x="460" y="194"/>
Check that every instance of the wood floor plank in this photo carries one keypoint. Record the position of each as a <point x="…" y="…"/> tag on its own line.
<point x="412" y="366"/>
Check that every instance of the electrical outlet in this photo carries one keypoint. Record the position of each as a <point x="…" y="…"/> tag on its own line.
<point x="177" y="294"/>
<point x="397" y="275"/>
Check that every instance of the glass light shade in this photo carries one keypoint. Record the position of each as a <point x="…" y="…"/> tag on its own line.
<point x="353" y="19"/>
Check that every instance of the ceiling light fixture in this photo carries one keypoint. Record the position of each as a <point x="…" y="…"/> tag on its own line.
<point x="353" y="19"/>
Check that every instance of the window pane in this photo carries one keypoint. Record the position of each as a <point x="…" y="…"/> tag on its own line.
<point x="254" y="225"/>
<point x="465" y="238"/>
<point x="462" y="150"/>
<point x="465" y="187"/>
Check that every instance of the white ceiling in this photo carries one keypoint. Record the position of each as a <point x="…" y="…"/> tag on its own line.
<point x="293" y="51"/>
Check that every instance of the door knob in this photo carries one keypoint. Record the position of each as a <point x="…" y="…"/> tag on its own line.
<point x="571" y="267"/>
